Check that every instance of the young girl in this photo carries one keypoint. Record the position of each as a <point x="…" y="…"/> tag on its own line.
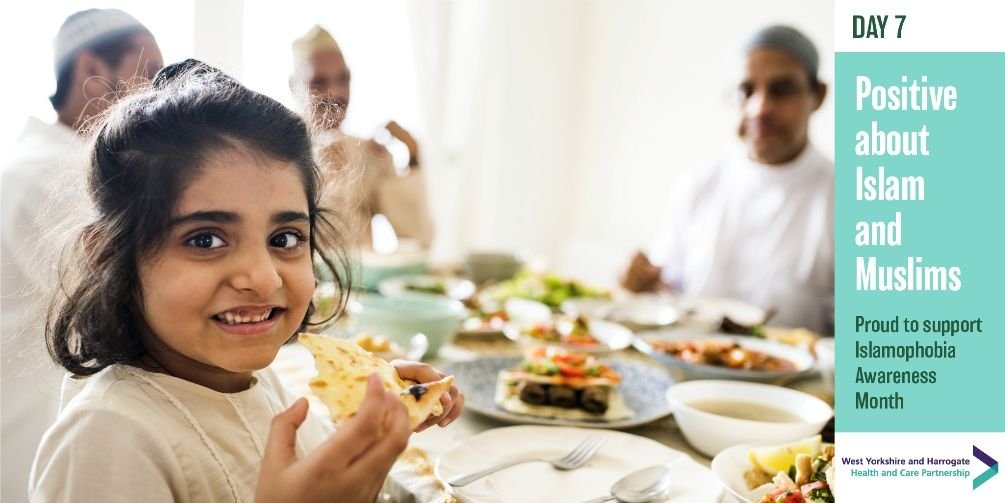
<point x="197" y="268"/>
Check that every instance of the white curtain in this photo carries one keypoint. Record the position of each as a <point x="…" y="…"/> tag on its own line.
<point x="558" y="127"/>
<point x="500" y="95"/>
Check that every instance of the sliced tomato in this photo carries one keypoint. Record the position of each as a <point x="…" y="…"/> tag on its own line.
<point x="571" y="358"/>
<point x="570" y="370"/>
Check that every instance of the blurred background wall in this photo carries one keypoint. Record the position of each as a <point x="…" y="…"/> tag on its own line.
<point x="556" y="127"/>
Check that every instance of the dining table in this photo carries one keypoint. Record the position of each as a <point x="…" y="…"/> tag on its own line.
<point x="295" y="367"/>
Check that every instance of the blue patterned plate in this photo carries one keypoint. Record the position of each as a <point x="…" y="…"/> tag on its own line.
<point x="644" y="388"/>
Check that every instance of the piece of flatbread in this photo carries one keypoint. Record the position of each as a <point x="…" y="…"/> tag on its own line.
<point x="343" y="368"/>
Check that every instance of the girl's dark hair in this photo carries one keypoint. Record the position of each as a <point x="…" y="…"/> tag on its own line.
<point x="149" y="145"/>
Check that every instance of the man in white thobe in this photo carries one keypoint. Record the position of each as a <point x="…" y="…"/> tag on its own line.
<point x="758" y="226"/>
<point x="96" y="51"/>
<point x="360" y="177"/>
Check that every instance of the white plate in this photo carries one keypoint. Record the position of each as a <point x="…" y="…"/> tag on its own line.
<point x="728" y="467"/>
<point x="594" y="308"/>
<point x="642" y="386"/>
<point x="611" y="337"/>
<point x="526" y="311"/>
<point x="710" y="310"/>
<point x="456" y="288"/>
<point x="644" y="312"/>
<point x="620" y="454"/>
<point x="639" y="312"/>
<point x="479" y="328"/>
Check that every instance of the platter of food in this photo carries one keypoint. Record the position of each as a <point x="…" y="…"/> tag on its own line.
<point x="484" y="323"/>
<point x="691" y="355"/>
<point x="555" y="386"/>
<point x="549" y="289"/>
<point x="575" y="333"/>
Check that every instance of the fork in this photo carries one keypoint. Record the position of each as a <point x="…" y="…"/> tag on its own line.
<point x="576" y="458"/>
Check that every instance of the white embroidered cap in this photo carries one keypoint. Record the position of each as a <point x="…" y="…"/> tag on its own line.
<point x="89" y="28"/>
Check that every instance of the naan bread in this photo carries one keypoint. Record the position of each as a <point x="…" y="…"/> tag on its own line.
<point x="343" y="368"/>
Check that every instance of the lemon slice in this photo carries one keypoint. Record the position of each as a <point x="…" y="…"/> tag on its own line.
<point x="779" y="458"/>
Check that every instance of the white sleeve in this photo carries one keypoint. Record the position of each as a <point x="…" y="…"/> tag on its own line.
<point x="103" y="456"/>
<point x="668" y="249"/>
<point x="402" y="199"/>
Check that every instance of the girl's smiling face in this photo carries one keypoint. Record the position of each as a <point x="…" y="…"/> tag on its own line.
<point x="233" y="279"/>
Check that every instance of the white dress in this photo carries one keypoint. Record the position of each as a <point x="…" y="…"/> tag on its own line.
<point x="758" y="233"/>
<point x="131" y="435"/>
<point x="42" y="185"/>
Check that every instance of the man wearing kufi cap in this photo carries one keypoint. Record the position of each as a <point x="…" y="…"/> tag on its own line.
<point x="98" y="54"/>
<point x="360" y="175"/>
<point x="758" y="226"/>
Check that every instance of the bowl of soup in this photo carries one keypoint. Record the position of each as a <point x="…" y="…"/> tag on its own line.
<point x="716" y="414"/>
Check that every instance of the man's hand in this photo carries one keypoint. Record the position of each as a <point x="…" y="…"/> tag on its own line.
<point x="350" y="466"/>
<point x="404" y="137"/>
<point x="452" y="402"/>
<point x="642" y="275"/>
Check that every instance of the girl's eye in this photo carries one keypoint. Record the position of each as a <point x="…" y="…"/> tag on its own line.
<point x="288" y="240"/>
<point x="206" y="241"/>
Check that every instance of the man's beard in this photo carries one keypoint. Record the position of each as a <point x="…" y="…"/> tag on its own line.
<point x="327" y="112"/>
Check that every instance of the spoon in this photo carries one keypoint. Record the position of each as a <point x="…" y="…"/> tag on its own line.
<point x="647" y="484"/>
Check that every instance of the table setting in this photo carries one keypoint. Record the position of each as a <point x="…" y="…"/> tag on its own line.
<point x="598" y="394"/>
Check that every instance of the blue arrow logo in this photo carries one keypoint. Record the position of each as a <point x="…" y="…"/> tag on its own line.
<point x="990" y="472"/>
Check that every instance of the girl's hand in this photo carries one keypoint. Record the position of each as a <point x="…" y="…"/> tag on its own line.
<point x="350" y="466"/>
<point x="452" y="402"/>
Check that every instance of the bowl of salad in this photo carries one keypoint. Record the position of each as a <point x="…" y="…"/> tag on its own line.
<point x="549" y="289"/>
<point x="800" y="471"/>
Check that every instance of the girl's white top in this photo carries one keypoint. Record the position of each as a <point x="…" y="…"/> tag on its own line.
<point x="131" y="435"/>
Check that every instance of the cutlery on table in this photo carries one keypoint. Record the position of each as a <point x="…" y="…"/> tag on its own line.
<point x="576" y="458"/>
<point x="641" y="486"/>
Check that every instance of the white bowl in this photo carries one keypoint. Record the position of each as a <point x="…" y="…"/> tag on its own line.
<point x="400" y="318"/>
<point x="492" y="266"/>
<point x="371" y="268"/>
<point x="711" y="310"/>
<point x="711" y="433"/>
<point x="637" y="313"/>
<point x="587" y="306"/>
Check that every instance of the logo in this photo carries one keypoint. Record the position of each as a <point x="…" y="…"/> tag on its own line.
<point x="990" y="472"/>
